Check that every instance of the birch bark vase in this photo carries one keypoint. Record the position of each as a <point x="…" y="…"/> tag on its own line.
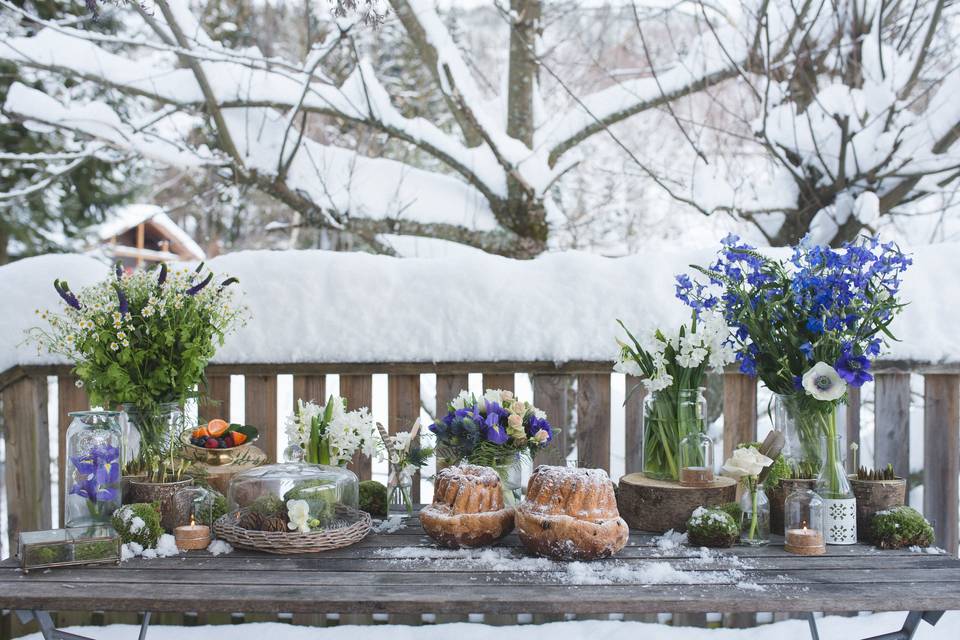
<point x="874" y="496"/>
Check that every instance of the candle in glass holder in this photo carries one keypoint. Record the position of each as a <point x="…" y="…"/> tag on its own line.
<point x="193" y="536"/>
<point x="805" y="542"/>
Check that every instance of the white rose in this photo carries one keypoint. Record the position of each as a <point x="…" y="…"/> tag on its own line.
<point x="824" y="383"/>
<point x="493" y="395"/>
<point x="745" y="462"/>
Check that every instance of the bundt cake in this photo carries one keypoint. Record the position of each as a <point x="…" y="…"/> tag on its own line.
<point x="467" y="509"/>
<point x="571" y="514"/>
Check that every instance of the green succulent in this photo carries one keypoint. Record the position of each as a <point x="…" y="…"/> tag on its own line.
<point x="373" y="498"/>
<point x="712" y="528"/>
<point x="138" y="522"/>
<point x="900" y="527"/>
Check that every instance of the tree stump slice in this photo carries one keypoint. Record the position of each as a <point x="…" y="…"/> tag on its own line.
<point x="659" y="505"/>
<point x="874" y="496"/>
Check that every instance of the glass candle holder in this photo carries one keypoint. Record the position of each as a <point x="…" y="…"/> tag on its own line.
<point x="696" y="460"/>
<point x="803" y="520"/>
<point x="755" y="514"/>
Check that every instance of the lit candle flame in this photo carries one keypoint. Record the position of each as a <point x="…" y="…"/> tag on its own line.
<point x="192" y="520"/>
<point x="804" y="524"/>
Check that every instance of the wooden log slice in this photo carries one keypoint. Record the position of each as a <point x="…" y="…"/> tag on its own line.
<point x="874" y="496"/>
<point x="658" y="505"/>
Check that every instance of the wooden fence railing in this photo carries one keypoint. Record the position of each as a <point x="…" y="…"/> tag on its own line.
<point x="23" y="391"/>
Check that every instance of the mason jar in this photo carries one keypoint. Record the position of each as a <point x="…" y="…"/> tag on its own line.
<point x="92" y="481"/>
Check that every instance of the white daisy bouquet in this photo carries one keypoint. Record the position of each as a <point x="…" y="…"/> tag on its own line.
<point x="329" y="434"/>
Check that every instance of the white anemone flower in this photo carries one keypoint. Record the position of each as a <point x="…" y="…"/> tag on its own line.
<point x="824" y="383"/>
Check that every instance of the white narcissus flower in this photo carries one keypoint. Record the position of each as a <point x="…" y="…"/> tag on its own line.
<point x="824" y="383"/>
<point x="746" y="461"/>
<point x="628" y="367"/>
<point x="298" y="512"/>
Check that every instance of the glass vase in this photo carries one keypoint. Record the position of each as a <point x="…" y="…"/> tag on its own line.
<point x="399" y="485"/>
<point x="669" y="416"/>
<point x="159" y="429"/>
<point x="804" y="422"/>
<point x="840" y="505"/>
<point x="94" y="445"/>
<point x="754" y="514"/>
<point x="512" y="472"/>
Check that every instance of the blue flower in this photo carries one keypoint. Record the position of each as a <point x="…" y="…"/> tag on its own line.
<point x="495" y="434"/>
<point x="195" y="289"/>
<point x="63" y="290"/>
<point x="807" y="350"/>
<point x="853" y="369"/>
<point x="814" y="325"/>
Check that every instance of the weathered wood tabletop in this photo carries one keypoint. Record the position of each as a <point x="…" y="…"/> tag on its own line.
<point x="403" y="572"/>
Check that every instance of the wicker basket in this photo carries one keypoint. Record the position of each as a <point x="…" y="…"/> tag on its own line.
<point x="350" y="526"/>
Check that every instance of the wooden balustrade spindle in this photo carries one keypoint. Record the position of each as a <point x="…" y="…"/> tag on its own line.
<point x="941" y="457"/>
<point x="593" y="421"/>
<point x="891" y="434"/>
<point x="358" y="390"/>
<point x="633" y="427"/>
<point x="498" y="381"/>
<point x="260" y="400"/>
<point x="739" y="411"/>
<point x="550" y="396"/>
<point x="217" y="401"/>
<point x="403" y="397"/>
<point x="310" y="388"/>
<point x="70" y="398"/>
<point x="448" y="386"/>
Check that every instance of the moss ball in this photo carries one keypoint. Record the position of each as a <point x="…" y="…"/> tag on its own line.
<point x="712" y="528"/>
<point x="900" y="527"/>
<point x="139" y="522"/>
<point x="373" y="498"/>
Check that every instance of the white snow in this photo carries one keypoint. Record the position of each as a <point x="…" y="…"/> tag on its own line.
<point x="317" y="306"/>
<point x="219" y="547"/>
<point x="830" y="627"/>
<point x="392" y="524"/>
<point x="166" y="547"/>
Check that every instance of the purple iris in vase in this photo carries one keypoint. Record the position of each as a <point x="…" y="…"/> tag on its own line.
<point x="853" y="369"/>
<point x="97" y="474"/>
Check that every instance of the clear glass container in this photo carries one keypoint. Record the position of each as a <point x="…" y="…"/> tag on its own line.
<point x="669" y="416"/>
<point x="803" y="425"/>
<point x="803" y="513"/>
<point x="332" y="495"/>
<point x="65" y="547"/>
<point x="840" y="504"/>
<point x="755" y="515"/>
<point x="696" y="460"/>
<point x="159" y="428"/>
<point x="92" y="487"/>
<point x="400" y="484"/>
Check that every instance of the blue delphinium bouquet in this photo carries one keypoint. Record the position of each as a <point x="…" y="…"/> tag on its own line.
<point x="493" y="430"/>
<point x="808" y="326"/>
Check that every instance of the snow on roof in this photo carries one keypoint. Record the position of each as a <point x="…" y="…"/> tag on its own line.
<point x="319" y="306"/>
<point x="130" y="216"/>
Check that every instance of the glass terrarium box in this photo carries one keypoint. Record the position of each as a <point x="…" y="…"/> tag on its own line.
<point x="67" y="547"/>
<point x="322" y="496"/>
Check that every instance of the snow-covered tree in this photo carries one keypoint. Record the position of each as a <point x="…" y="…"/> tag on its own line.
<point x="841" y="112"/>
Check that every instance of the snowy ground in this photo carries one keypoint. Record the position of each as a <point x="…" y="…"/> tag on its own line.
<point x="831" y="628"/>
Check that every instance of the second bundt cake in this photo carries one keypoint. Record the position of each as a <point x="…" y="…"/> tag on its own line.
<point x="571" y="514"/>
<point x="467" y="509"/>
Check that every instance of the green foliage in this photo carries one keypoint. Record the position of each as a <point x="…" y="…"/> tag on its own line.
<point x="373" y="498"/>
<point x="47" y="554"/>
<point x="213" y="506"/>
<point x="138" y="522"/>
<point x="886" y="473"/>
<point x="901" y="527"/>
<point x="712" y="528"/>
<point x="779" y="470"/>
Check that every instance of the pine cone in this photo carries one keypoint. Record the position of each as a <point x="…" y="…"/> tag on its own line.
<point x="274" y="523"/>
<point x="252" y="520"/>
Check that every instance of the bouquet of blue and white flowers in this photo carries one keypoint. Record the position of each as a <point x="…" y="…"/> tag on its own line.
<point x="808" y="326"/>
<point x="493" y="430"/>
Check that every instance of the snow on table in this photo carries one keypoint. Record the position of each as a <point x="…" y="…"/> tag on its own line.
<point x="319" y="306"/>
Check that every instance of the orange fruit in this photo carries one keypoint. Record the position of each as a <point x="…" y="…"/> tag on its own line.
<point x="238" y="438"/>
<point x="217" y="427"/>
<point x="200" y="432"/>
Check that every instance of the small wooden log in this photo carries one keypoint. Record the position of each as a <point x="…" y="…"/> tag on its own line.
<point x="658" y="505"/>
<point x="873" y="496"/>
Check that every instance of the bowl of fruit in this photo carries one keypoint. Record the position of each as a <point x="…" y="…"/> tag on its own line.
<point x="219" y="442"/>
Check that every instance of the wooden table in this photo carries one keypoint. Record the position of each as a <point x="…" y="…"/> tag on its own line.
<point x="388" y="573"/>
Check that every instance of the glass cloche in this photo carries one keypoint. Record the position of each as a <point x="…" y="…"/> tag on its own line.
<point x="322" y="495"/>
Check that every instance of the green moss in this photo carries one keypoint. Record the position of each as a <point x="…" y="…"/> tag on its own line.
<point x="95" y="550"/>
<point x="712" y="528"/>
<point x="47" y="554"/>
<point x="268" y="505"/>
<point x="139" y="522"/>
<point x="900" y="527"/>
<point x="732" y="509"/>
<point x="214" y="506"/>
<point x="373" y="498"/>
<point x="321" y="496"/>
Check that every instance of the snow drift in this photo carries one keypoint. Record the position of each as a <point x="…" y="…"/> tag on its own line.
<point x="319" y="306"/>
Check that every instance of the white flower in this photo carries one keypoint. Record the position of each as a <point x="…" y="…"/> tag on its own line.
<point x="824" y="383"/>
<point x="402" y="441"/>
<point x="298" y="512"/>
<point x="462" y="400"/>
<point x="746" y="462"/>
<point x="628" y="367"/>
<point x="494" y="395"/>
